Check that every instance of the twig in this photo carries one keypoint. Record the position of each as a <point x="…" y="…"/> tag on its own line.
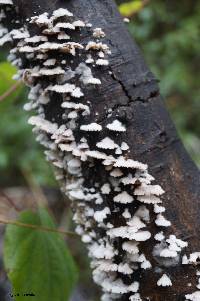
<point x="35" y="227"/>
<point x="11" y="202"/>
<point x="36" y="190"/>
<point x="11" y="90"/>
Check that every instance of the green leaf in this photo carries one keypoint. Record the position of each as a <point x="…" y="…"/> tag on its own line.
<point x="38" y="262"/>
<point x="6" y="73"/>
<point x="130" y="8"/>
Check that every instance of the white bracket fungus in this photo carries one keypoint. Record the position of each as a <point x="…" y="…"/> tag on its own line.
<point x="164" y="281"/>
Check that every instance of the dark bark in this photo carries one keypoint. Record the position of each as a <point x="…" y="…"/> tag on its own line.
<point x="133" y="94"/>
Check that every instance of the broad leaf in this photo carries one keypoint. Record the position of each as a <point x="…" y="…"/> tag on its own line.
<point x="38" y="262"/>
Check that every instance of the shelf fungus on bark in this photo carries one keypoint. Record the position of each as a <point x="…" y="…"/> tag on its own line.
<point x="112" y="213"/>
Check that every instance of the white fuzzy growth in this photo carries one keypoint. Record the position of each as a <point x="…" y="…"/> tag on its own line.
<point x="36" y="39"/>
<point x="146" y="265"/>
<point x="123" y="198"/>
<point x="2" y="15"/>
<point x="109" y="297"/>
<point x="185" y="260"/>
<point x="105" y="189"/>
<point x="74" y="166"/>
<point x="5" y="39"/>
<point x="43" y="99"/>
<point x="130" y="233"/>
<point x="101" y="252"/>
<point x="49" y="62"/>
<point x="63" y="36"/>
<point x="72" y="115"/>
<point x="107" y="143"/>
<point x="161" y="221"/>
<point x="78" y="23"/>
<point x="129" y="163"/>
<point x="151" y="199"/>
<point x="126" y="20"/>
<point x="116" y="173"/>
<point x="164" y="281"/>
<point x="136" y="222"/>
<point x="118" y="287"/>
<point x="67" y="88"/>
<point x="99" y="216"/>
<point x="159" y="236"/>
<point x="124" y="269"/>
<point x="65" y="25"/>
<point x="194" y="296"/>
<point x="98" y="33"/>
<point x="18" y="34"/>
<point x="43" y="124"/>
<point x="131" y="247"/>
<point x="6" y="2"/>
<point x="102" y="62"/>
<point x="116" y="126"/>
<point x="50" y="72"/>
<point x="69" y="47"/>
<point x="192" y="258"/>
<point x="97" y="46"/>
<point x="106" y="266"/>
<point x="134" y="287"/>
<point x="159" y="209"/>
<point x="96" y="155"/>
<point x="86" y="238"/>
<point x="3" y="30"/>
<point x="86" y="75"/>
<point x="61" y="12"/>
<point x="101" y="54"/>
<point x="118" y="151"/>
<point x="143" y="213"/>
<point x="149" y="190"/>
<point x="180" y="244"/>
<point x="126" y="214"/>
<point x="41" y="20"/>
<point x="129" y="180"/>
<point x="89" y="59"/>
<point x="92" y="127"/>
<point x="76" y="106"/>
<point x="135" y="297"/>
<point x="124" y="146"/>
<point x="167" y="253"/>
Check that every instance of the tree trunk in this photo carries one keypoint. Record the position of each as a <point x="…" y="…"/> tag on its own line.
<point x="130" y="90"/>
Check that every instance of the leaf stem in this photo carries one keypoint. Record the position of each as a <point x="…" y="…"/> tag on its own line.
<point x="35" y="227"/>
<point x="11" y="90"/>
<point x="10" y="201"/>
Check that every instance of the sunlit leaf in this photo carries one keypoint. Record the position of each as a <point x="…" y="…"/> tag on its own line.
<point x="130" y="8"/>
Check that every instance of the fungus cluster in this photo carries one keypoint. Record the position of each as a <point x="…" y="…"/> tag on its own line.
<point x="112" y="212"/>
<point x="5" y="8"/>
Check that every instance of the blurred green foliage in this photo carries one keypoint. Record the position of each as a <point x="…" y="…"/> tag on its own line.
<point x="167" y="32"/>
<point x="18" y="148"/>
